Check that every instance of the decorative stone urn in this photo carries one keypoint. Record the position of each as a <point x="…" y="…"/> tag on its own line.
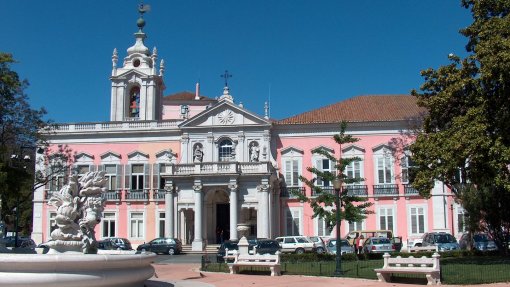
<point x="243" y="229"/>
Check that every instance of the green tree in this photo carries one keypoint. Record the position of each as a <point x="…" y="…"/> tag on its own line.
<point x="465" y="140"/>
<point x="353" y="207"/>
<point x="22" y="132"/>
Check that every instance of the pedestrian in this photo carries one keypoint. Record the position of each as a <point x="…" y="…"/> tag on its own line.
<point x="360" y="244"/>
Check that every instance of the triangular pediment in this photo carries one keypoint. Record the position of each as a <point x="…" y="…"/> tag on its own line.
<point x="224" y="114"/>
<point x="129" y="75"/>
<point x="137" y="155"/>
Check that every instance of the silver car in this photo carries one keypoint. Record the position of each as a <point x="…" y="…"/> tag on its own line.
<point x="320" y="245"/>
<point x="345" y="248"/>
<point x="378" y="245"/>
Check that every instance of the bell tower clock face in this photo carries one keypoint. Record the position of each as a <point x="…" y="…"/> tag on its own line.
<point x="226" y="117"/>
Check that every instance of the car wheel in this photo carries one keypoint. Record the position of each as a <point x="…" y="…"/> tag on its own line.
<point x="171" y="251"/>
<point x="300" y="251"/>
<point x="320" y="250"/>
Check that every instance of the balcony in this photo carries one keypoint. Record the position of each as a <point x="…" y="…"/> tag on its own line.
<point x="111" y="195"/>
<point x="158" y="194"/>
<point x="290" y="191"/>
<point x="357" y="190"/>
<point x="137" y="195"/>
<point x="205" y="168"/>
<point x="325" y="189"/>
<point x="410" y="191"/>
<point x="382" y="190"/>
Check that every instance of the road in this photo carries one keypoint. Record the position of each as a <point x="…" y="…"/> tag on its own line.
<point x="180" y="259"/>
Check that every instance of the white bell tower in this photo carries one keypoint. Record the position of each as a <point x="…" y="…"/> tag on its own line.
<point x="137" y="89"/>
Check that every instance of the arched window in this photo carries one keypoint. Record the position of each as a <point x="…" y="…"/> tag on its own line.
<point x="134" y="102"/>
<point x="225" y="150"/>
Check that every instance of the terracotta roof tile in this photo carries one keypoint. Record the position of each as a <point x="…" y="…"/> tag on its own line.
<point x="370" y="108"/>
<point x="184" y="96"/>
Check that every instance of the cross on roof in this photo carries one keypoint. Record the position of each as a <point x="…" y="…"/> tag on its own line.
<point x="226" y="75"/>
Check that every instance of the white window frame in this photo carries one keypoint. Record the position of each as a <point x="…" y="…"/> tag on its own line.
<point x="223" y="148"/>
<point x="51" y="222"/>
<point x="352" y="152"/>
<point x="318" y="163"/>
<point x="388" y="164"/>
<point x="410" y="216"/>
<point x="296" y="213"/>
<point x="161" y="221"/>
<point x="105" y="219"/>
<point x="137" y="179"/>
<point x="141" y="234"/>
<point x="382" y="211"/>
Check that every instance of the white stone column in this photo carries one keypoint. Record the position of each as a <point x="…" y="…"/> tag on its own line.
<point x="198" y="243"/>
<point x="169" y="210"/>
<point x="263" y="228"/>
<point x="233" y="210"/>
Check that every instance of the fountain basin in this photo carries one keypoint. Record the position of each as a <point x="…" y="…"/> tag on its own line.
<point x="97" y="270"/>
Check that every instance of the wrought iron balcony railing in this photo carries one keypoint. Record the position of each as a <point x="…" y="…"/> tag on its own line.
<point x="291" y="191"/>
<point x="158" y="194"/>
<point x="357" y="190"/>
<point x="410" y="191"/>
<point x="385" y="190"/>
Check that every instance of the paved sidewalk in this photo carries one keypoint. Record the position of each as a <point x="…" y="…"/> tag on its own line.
<point x="188" y="275"/>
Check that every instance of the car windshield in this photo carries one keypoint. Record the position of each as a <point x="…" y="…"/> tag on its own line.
<point x="332" y="242"/>
<point x="444" y="238"/>
<point x="380" y="241"/>
<point x="302" y="240"/>
<point x="480" y="238"/>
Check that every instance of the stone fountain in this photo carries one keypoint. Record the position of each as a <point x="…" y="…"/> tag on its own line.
<point x="73" y="258"/>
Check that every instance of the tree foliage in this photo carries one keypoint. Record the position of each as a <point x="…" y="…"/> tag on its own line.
<point x="23" y="145"/>
<point x="465" y="140"/>
<point x="353" y="208"/>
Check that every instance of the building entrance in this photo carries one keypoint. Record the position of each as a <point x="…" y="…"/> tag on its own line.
<point x="222" y="222"/>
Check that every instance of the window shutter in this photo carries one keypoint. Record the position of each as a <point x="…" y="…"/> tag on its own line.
<point x="156" y="167"/>
<point x="127" y="172"/>
<point x="288" y="172"/>
<point x="320" y="226"/>
<point x="119" y="176"/>
<point x="295" y="172"/>
<point x="146" y="176"/>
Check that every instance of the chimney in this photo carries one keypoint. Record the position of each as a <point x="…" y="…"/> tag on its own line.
<point x="197" y="91"/>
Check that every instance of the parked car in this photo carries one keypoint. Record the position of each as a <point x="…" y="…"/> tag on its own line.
<point x="105" y="245"/>
<point x="395" y="240"/>
<point x="162" y="245"/>
<point x="296" y="244"/>
<point x="23" y="242"/>
<point x="266" y="246"/>
<point x="118" y="243"/>
<point x="320" y="245"/>
<point x="231" y="245"/>
<point x="443" y="240"/>
<point x="345" y="246"/>
<point x="378" y="245"/>
<point x="480" y="242"/>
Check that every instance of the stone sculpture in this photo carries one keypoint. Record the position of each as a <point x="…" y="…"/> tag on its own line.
<point x="79" y="207"/>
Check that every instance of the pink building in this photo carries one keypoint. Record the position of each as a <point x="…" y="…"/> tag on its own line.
<point x="186" y="166"/>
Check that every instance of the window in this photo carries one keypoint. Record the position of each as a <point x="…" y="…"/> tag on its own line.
<point x="292" y="171"/>
<point x="323" y="165"/>
<point x="136" y="224"/>
<point x="405" y="163"/>
<point x="355" y="226"/>
<point x="225" y="150"/>
<point x="386" y="218"/>
<point x="137" y="175"/>
<point x="108" y="224"/>
<point x="293" y="222"/>
<point x="184" y="111"/>
<point x="353" y="171"/>
<point x="57" y="182"/>
<point x="161" y="224"/>
<point x="323" y="227"/>
<point x="82" y="169"/>
<point x="52" y="222"/>
<point x="417" y="220"/>
<point x="111" y="176"/>
<point x="384" y="169"/>
<point x="461" y="221"/>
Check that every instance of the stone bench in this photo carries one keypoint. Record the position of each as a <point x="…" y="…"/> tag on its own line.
<point x="411" y="265"/>
<point x="257" y="260"/>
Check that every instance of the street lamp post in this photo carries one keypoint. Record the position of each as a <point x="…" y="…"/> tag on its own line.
<point x="337" y="185"/>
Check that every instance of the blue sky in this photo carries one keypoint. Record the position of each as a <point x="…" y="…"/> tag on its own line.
<point x="301" y="54"/>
